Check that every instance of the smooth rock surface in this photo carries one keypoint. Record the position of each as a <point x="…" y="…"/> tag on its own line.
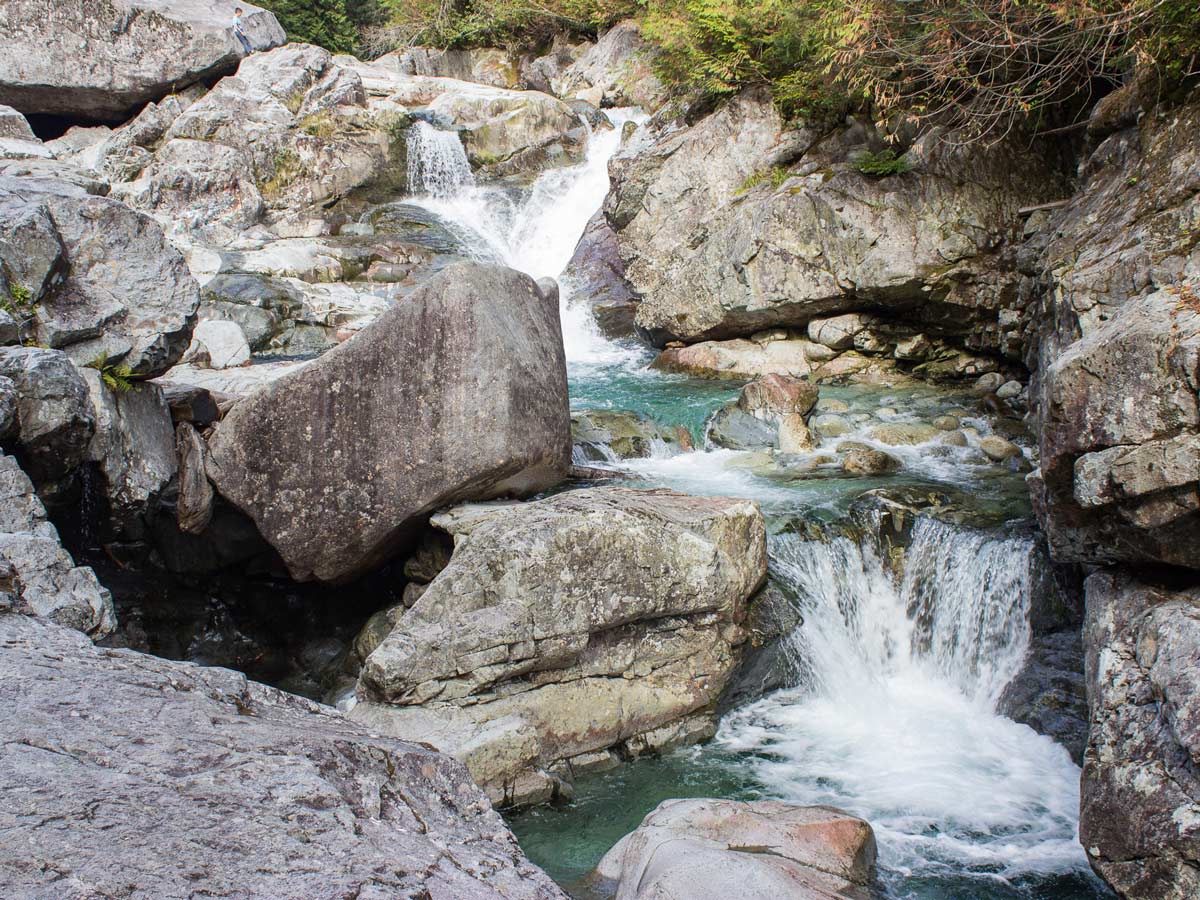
<point x="761" y="850"/>
<point x="126" y="775"/>
<point x="337" y="461"/>
<point x="100" y="60"/>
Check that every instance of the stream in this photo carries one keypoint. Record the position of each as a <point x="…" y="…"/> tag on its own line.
<point x="893" y="680"/>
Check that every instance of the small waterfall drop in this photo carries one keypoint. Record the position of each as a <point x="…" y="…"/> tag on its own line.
<point x="893" y="716"/>
<point x="437" y="162"/>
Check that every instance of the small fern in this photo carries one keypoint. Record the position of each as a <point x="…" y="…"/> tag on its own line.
<point x="117" y="377"/>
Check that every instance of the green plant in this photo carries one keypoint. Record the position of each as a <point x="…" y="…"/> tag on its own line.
<point x="775" y="176"/>
<point x="882" y="164"/>
<point x="117" y="377"/>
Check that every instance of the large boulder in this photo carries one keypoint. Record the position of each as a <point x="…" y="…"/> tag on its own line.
<point x="1140" y="803"/>
<point x="100" y="61"/>
<point x="102" y="282"/>
<point x="51" y="418"/>
<point x="762" y="850"/>
<point x="123" y="774"/>
<point x="569" y="631"/>
<point x="596" y="275"/>
<point x="37" y="576"/>
<point x="458" y="393"/>
<point x="734" y="224"/>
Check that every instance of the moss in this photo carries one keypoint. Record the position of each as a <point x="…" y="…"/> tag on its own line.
<point x="288" y="167"/>
<point x="319" y="125"/>
<point x="882" y="164"/>
<point x="775" y="176"/>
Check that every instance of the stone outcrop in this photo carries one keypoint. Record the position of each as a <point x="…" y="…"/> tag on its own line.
<point x="734" y="225"/>
<point x="339" y="460"/>
<point x="1140" y="805"/>
<point x="565" y="628"/>
<point x="100" y="61"/>
<point x="124" y="774"/>
<point x="615" y="71"/>
<point x="37" y="576"/>
<point x="761" y="850"/>
<point x="99" y="280"/>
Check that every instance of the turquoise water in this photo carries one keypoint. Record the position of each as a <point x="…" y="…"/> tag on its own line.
<point x="966" y="805"/>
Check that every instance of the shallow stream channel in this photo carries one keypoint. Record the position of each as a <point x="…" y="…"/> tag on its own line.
<point x="881" y="697"/>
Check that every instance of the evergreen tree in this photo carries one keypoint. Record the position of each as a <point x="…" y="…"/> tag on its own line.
<point x="321" y="22"/>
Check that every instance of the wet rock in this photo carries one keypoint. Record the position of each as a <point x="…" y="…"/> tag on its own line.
<point x="830" y="425"/>
<point x="863" y="460"/>
<point x="998" y="449"/>
<point x="596" y="274"/>
<point x="54" y="416"/>
<point x="599" y="435"/>
<point x="769" y="412"/>
<point x="102" y="62"/>
<point x="491" y="360"/>
<point x="37" y="576"/>
<point x="1140" y="803"/>
<point x="248" y="790"/>
<point x="903" y="433"/>
<point x="1049" y="693"/>
<point x="760" y="850"/>
<point x="567" y="626"/>
<point x="735" y="429"/>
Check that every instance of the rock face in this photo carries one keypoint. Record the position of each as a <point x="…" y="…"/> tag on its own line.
<point x="1120" y="346"/>
<point x="734" y="225"/>
<point x="142" y="777"/>
<point x="564" y="628"/>
<point x="336" y="461"/>
<point x="1140" y="805"/>
<point x="37" y="576"/>
<point x="615" y="71"/>
<point x="101" y="59"/>
<point x="100" y="280"/>
<point x="764" y="850"/>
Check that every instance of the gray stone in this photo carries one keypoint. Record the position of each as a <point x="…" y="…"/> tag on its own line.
<point x="133" y="449"/>
<point x="599" y="435"/>
<point x="101" y="61"/>
<point x="141" y="777"/>
<point x="37" y="576"/>
<point x="762" y="850"/>
<point x="1140" y="803"/>
<point x="138" y="313"/>
<point x="14" y="125"/>
<point x="596" y="275"/>
<point x="863" y="460"/>
<point x="194" y="506"/>
<point x="567" y="626"/>
<point x="615" y="71"/>
<point x="409" y="393"/>
<point x="55" y="420"/>
<point x="1049" y="693"/>
<point x="217" y="344"/>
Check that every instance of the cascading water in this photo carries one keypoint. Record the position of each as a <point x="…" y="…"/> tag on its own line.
<point x="533" y="230"/>
<point x="894" y="714"/>
<point x="437" y="162"/>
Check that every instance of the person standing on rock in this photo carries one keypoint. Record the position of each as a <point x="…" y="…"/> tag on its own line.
<point x="241" y="35"/>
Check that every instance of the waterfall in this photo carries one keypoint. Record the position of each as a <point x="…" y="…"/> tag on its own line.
<point x="893" y="716"/>
<point x="534" y="229"/>
<point x="437" y="162"/>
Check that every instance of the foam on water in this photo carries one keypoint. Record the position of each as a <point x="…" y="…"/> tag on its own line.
<point x="894" y="714"/>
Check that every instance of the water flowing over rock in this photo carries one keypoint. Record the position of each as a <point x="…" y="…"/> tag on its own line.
<point x="101" y="60"/>
<point x="144" y="777"/>
<point x="1140" y="814"/>
<point x="37" y="576"/>
<point x="762" y="850"/>
<point x="386" y="428"/>
<point x="565" y="627"/>
<point x="733" y="225"/>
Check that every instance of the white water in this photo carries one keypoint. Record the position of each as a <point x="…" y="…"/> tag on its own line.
<point x="437" y="162"/>
<point x="895" y="715"/>
<point x="535" y="230"/>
